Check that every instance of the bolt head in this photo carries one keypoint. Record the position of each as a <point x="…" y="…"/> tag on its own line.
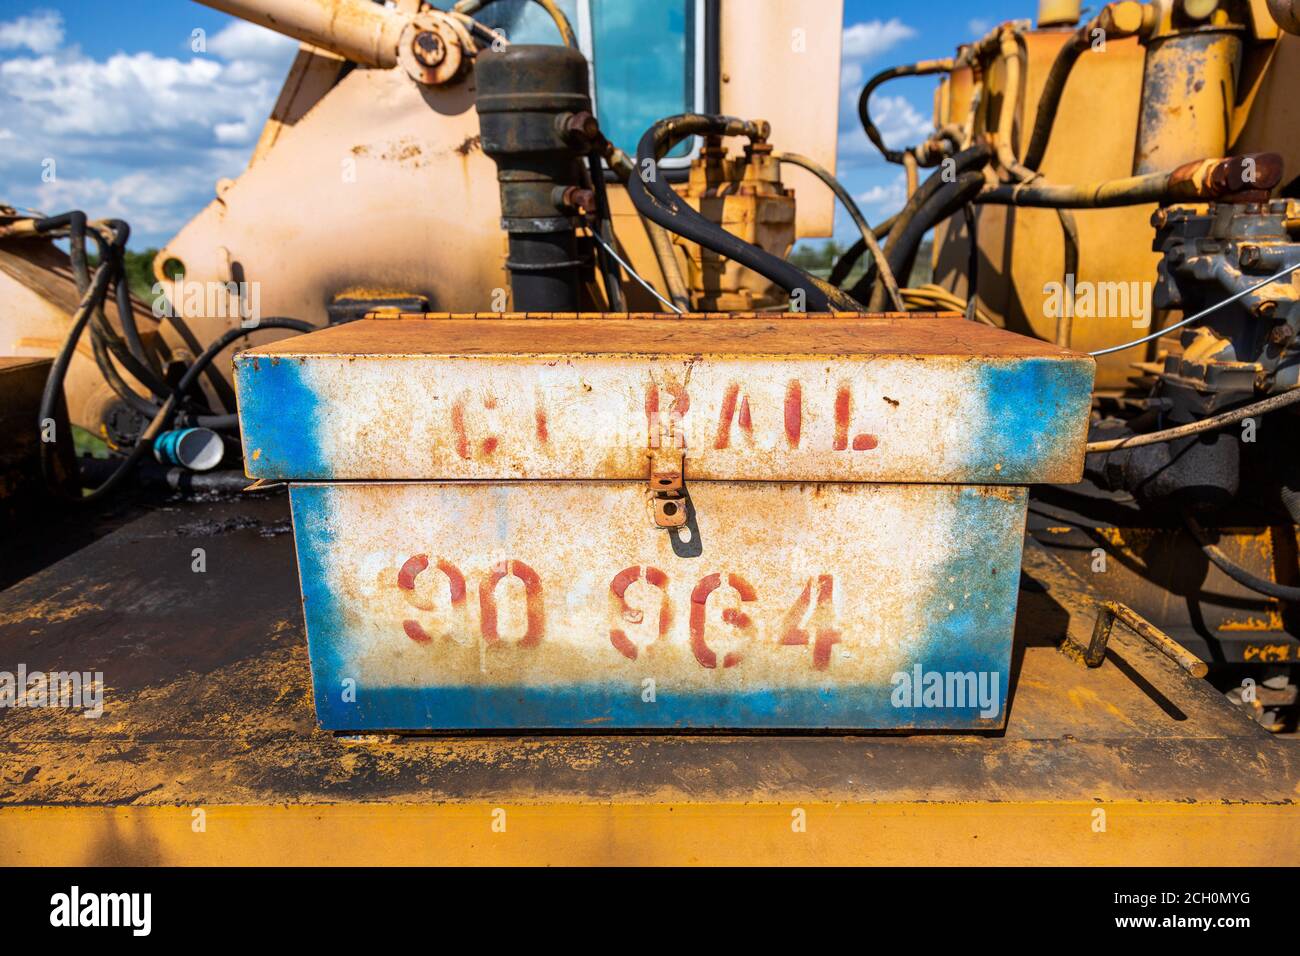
<point x="582" y="125"/>
<point x="429" y="48"/>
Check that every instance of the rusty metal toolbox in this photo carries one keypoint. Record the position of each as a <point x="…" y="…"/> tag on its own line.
<point x="515" y="522"/>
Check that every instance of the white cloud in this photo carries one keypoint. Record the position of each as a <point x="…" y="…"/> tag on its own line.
<point x="978" y="27"/>
<point x="247" y="41"/>
<point x="39" y="32"/>
<point x="889" y="197"/>
<point x="135" y="135"/>
<point x="863" y="41"/>
<point x="898" y="121"/>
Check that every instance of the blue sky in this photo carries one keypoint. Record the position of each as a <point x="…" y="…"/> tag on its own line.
<point x="136" y="123"/>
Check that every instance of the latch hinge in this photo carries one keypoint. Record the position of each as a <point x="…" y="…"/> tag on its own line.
<point x="667" y="488"/>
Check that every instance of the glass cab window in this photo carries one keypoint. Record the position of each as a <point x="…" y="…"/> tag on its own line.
<point x="644" y="54"/>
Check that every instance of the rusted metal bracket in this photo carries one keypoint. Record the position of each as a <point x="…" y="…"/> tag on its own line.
<point x="1108" y="612"/>
<point x="667" y="486"/>
<point x="263" y="484"/>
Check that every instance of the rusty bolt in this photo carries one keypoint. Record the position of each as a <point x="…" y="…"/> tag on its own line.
<point x="1265" y="310"/>
<point x="1249" y="257"/>
<point x="581" y="126"/>
<point x="1280" y="335"/>
<point x="429" y="49"/>
<point x="576" y="197"/>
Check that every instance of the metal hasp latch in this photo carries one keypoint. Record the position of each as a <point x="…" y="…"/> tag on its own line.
<point x="667" y="486"/>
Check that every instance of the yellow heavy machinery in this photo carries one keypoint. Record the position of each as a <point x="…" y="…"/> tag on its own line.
<point x="572" y="444"/>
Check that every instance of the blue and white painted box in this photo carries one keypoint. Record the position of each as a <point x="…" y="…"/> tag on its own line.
<point x="476" y="537"/>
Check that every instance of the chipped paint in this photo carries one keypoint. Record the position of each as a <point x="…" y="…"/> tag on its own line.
<point x="551" y="604"/>
<point x="483" y="552"/>
<point x="771" y="399"/>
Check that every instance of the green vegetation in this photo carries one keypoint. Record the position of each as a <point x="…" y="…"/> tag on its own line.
<point x="139" y="273"/>
<point x="818" y="257"/>
<point x="88" y="443"/>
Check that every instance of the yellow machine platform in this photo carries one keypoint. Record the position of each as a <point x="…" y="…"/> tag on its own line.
<point x="208" y="752"/>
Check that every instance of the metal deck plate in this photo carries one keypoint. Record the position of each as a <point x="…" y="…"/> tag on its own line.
<point x="208" y="710"/>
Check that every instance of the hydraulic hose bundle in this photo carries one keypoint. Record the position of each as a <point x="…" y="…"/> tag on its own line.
<point x="166" y="403"/>
<point x="655" y="199"/>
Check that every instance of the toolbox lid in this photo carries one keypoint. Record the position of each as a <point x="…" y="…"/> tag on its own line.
<point x="881" y="398"/>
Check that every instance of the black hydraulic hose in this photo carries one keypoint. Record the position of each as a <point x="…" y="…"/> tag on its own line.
<point x="125" y="311"/>
<point x="849" y="258"/>
<point x="142" y="368"/>
<point x="905" y="238"/>
<point x="54" y="381"/>
<point x="133" y="357"/>
<point x="138" y="366"/>
<point x="224" y="392"/>
<point x="88" y="308"/>
<point x="110" y="252"/>
<point x="1050" y="98"/>
<point x="120" y="388"/>
<point x="972" y="158"/>
<point x="655" y="200"/>
<point x="1235" y="571"/>
<point x="106" y="345"/>
<point x="75" y="223"/>
<point x="924" y="68"/>
<point x="868" y="237"/>
<point x="608" y="268"/>
<point x="214" y="349"/>
<point x="972" y="259"/>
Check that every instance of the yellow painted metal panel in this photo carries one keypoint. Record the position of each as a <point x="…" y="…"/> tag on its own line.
<point x="1077" y="832"/>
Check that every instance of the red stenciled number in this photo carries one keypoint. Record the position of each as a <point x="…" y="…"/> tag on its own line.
<point x="733" y="616"/>
<point x="792" y="631"/>
<point x="533" y="608"/>
<point x="618" y="591"/>
<point x="412" y="569"/>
